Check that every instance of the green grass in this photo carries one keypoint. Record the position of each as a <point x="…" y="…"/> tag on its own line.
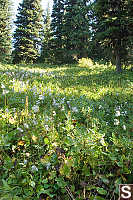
<point x="66" y="132"/>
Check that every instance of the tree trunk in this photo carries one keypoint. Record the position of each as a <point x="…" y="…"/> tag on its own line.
<point x="118" y="62"/>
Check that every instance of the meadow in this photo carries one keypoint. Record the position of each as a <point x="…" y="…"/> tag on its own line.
<point x="66" y="132"/>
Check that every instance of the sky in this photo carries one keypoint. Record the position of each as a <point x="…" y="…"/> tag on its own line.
<point x="44" y="4"/>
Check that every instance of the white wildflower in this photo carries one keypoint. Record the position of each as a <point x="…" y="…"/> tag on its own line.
<point x="102" y="142"/>
<point x="55" y="103"/>
<point x="20" y="129"/>
<point x="118" y="108"/>
<point x="46" y="127"/>
<point x="5" y="92"/>
<point x="27" y="154"/>
<point x="34" y="122"/>
<point x="116" y="122"/>
<point x="100" y="106"/>
<point x="46" y="118"/>
<point x="34" y="168"/>
<point x="63" y="108"/>
<point x="48" y="165"/>
<point x="74" y="109"/>
<point x="54" y="113"/>
<point x="25" y="162"/>
<point x="3" y="86"/>
<point x="37" y="102"/>
<point x="125" y="112"/>
<point x="14" y="109"/>
<point x="35" y="108"/>
<point x="13" y="148"/>
<point x="117" y="114"/>
<point x="124" y="127"/>
<point x="68" y="102"/>
<point x="41" y="97"/>
<point x="26" y="125"/>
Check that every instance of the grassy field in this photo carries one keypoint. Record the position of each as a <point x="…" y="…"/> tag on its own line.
<point x="66" y="132"/>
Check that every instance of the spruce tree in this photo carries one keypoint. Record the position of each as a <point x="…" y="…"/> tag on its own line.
<point x="27" y="34"/>
<point x="76" y="28"/>
<point x="46" y="43"/>
<point x="130" y="31"/>
<point x="5" y="30"/>
<point x="111" y="28"/>
<point x="57" y="40"/>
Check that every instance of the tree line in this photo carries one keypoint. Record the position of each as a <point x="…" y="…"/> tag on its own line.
<point x="98" y="29"/>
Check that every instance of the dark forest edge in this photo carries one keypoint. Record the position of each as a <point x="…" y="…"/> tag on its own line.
<point x="100" y="30"/>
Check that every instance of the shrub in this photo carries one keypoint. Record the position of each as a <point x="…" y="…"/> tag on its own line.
<point x="85" y="62"/>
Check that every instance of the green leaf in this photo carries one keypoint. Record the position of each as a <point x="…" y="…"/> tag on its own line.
<point x="32" y="184"/>
<point x="98" y="198"/>
<point x="46" y="141"/>
<point x="105" y="180"/>
<point x="101" y="191"/>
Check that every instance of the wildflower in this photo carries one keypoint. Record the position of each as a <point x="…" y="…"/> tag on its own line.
<point x="41" y="97"/>
<point x="5" y="92"/>
<point x="27" y="154"/>
<point x="46" y="127"/>
<point x="35" y="108"/>
<point x="54" y="103"/>
<point x="63" y="108"/>
<point x="37" y="102"/>
<point x="117" y="114"/>
<point x="3" y="86"/>
<point x="54" y="113"/>
<point x="62" y="100"/>
<point x="74" y="109"/>
<point x="48" y="165"/>
<point x="14" y="110"/>
<point x="46" y="119"/>
<point x="26" y="125"/>
<point x="100" y="106"/>
<point x="25" y="162"/>
<point x="13" y="148"/>
<point x="102" y="142"/>
<point x="68" y="103"/>
<point x="7" y="110"/>
<point x="34" y="122"/>
<point x="20" y="129"/>
<point x="124" y="127"/>
<point x="34" y="168"/>
<point x="116" y="122"/>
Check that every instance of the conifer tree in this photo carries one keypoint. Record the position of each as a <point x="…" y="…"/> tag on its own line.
<point x="46" y="43"/>
<point x="57" y="40"/>
<point x="5" y="30"/>
<point x="27" y="34"/>
<point x="111" y="28"/>
<point x="76" y="28"/>
<point x="130" y="30"/>
<point x="70" y="26"/>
